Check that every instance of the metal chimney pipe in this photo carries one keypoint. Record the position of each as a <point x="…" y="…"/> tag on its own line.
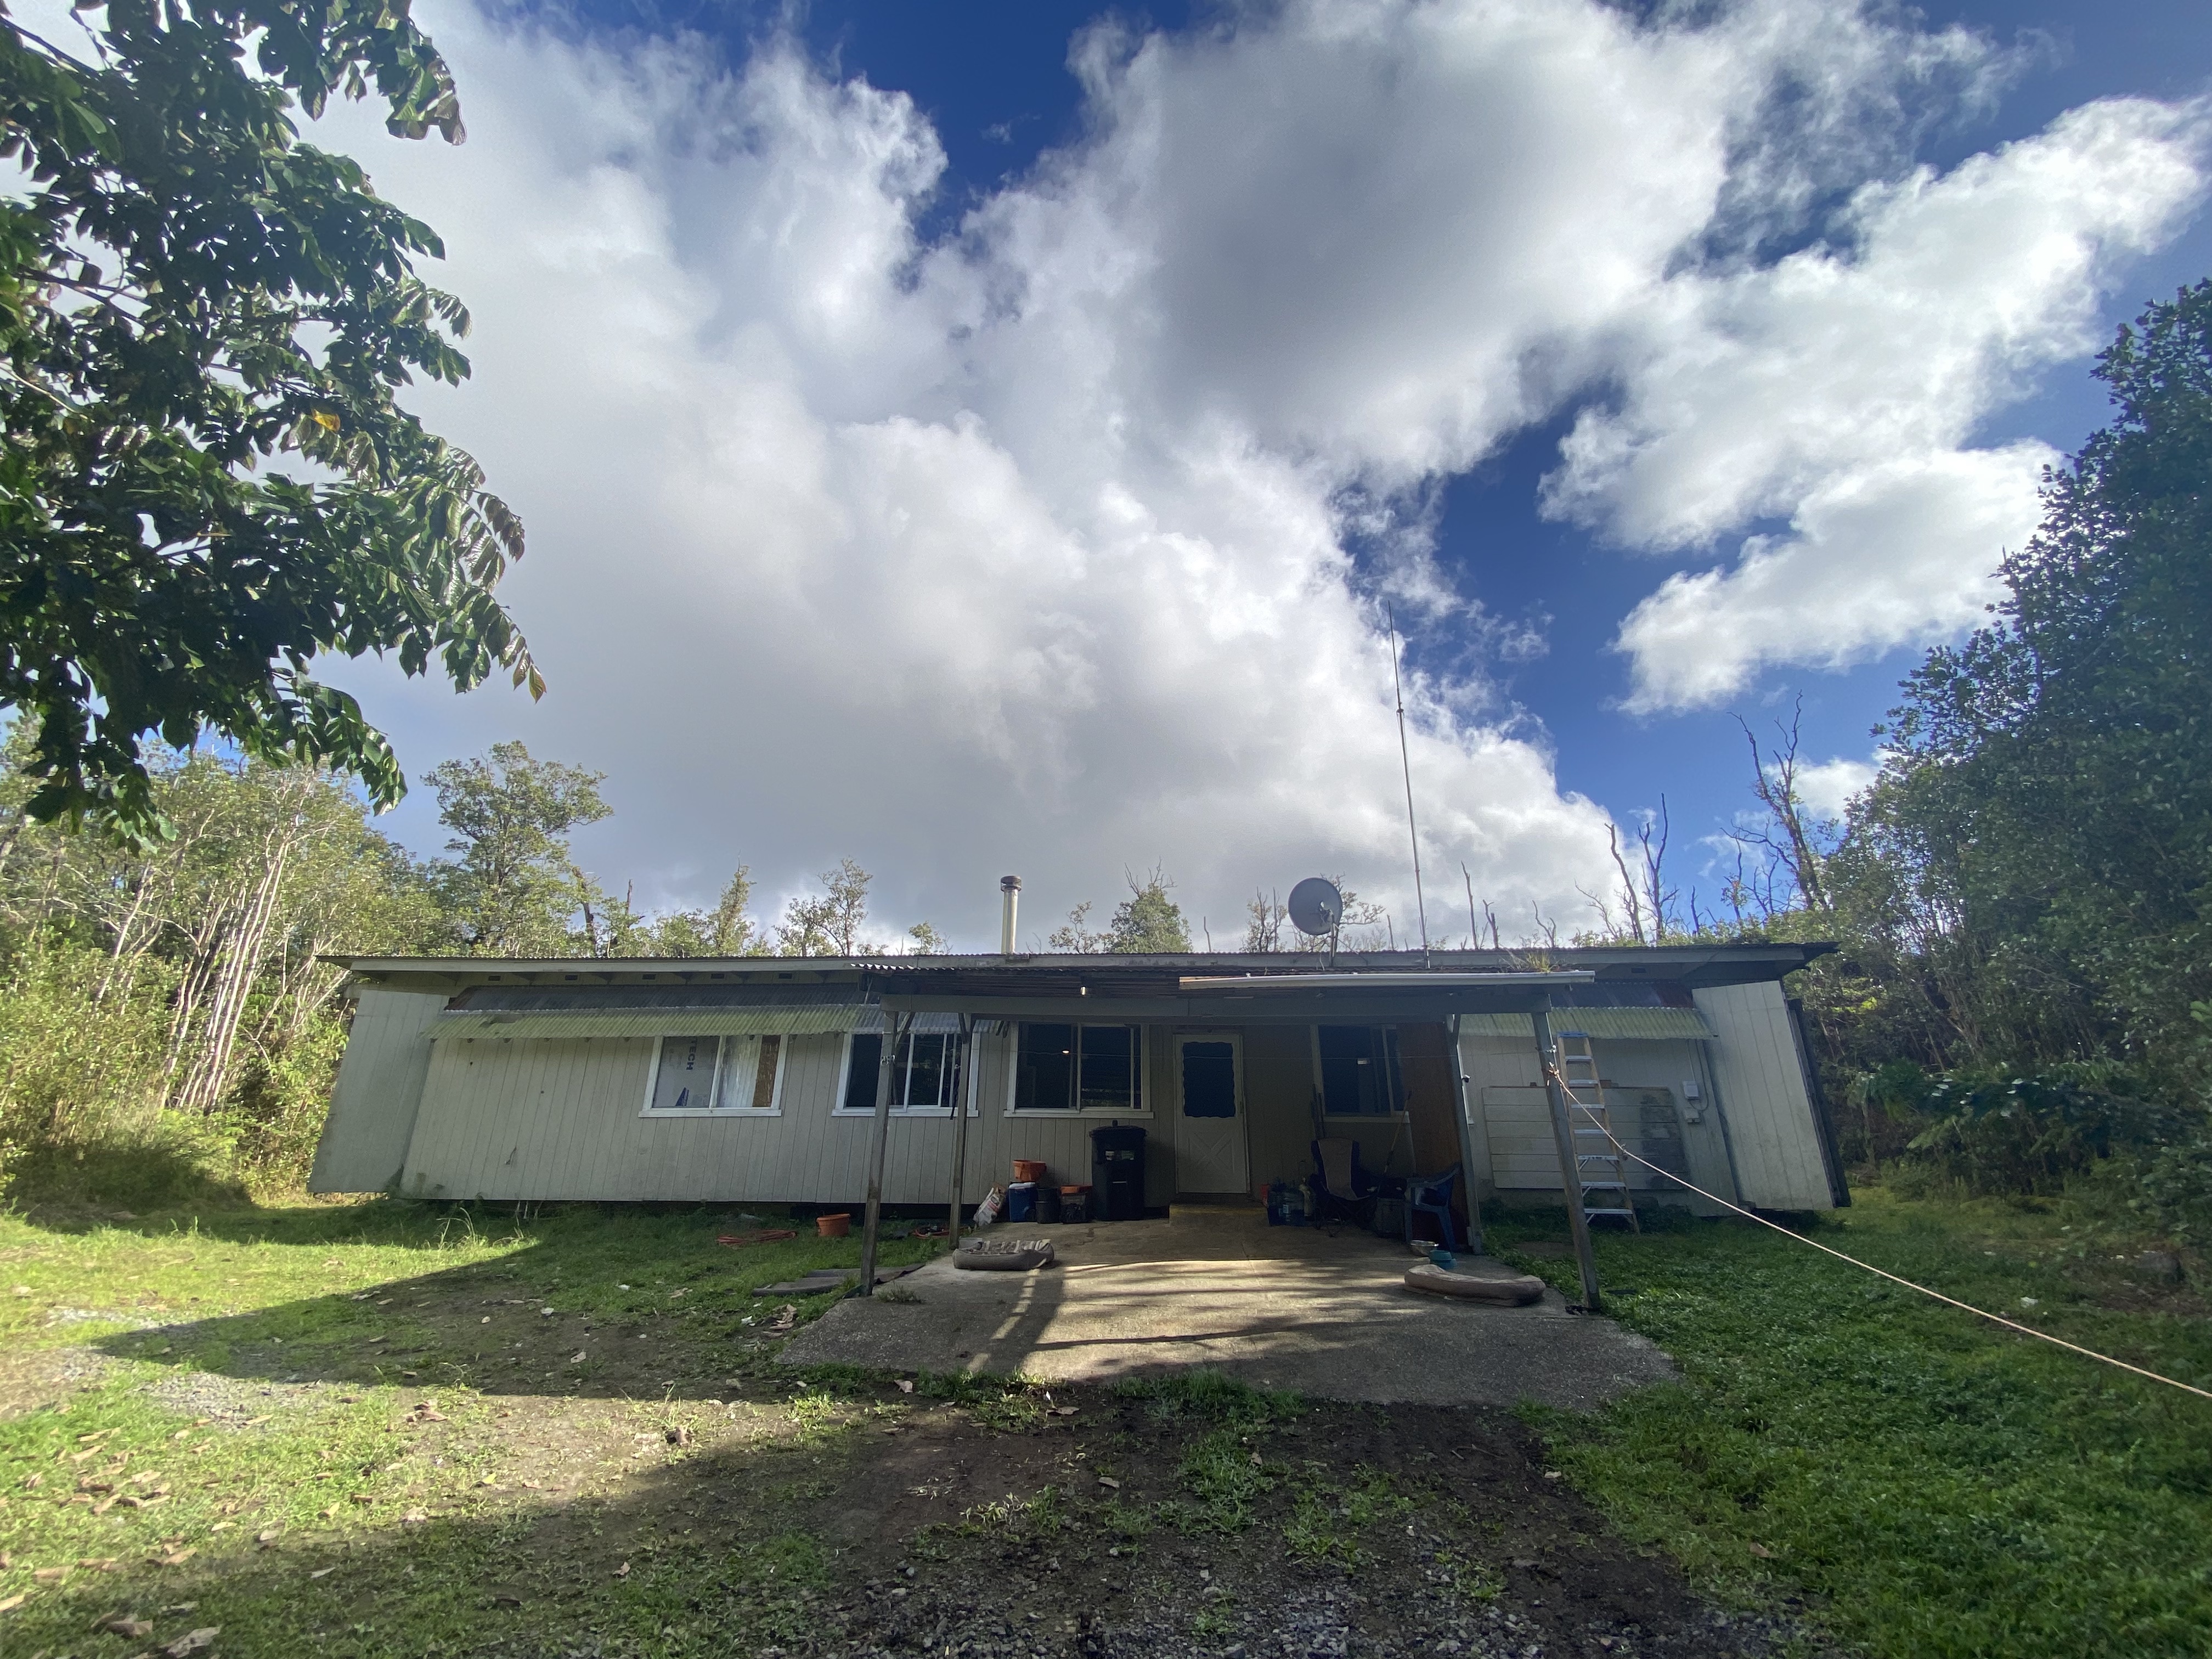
<point x="1010" y="902"/>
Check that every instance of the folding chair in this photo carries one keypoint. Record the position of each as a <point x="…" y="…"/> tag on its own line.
<point x="1344" y="1188"/>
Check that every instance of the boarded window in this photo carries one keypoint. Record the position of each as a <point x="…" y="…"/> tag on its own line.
<point x="1092" y="1068"/>
<point x="683" y="1080"/>
<point x="926" y="1077"/>
<point x="768" y="1064"/>
<point x="1359" y="1070"/>
<point x="718" y="1074"/>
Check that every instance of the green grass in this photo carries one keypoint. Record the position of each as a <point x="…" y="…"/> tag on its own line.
<point x="325" y="1446"/>
<point x="1942" y="1488"/>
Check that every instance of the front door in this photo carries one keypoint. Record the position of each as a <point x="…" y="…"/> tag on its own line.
<point x="1209" y="1155"/>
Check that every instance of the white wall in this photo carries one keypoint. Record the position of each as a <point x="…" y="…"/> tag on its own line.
<point x="378" y="1092"/>
<point x="1760" y="1083"/>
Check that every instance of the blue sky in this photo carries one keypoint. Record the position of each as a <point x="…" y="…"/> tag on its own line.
<point x="994" y="78"/>
<point x="907" y="275"/>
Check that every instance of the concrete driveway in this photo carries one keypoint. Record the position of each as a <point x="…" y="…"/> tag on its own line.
<point x="1278" y="1307"/>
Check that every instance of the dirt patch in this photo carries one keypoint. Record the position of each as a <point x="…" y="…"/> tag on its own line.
<point x="29" y="1378"/>
<point x="1416" y="1529"/>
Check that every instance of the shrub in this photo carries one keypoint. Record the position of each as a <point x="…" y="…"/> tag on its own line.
<point x="283" y="1097"/>
<point x="82" y="1057"/>
<point x="1991" y="1130"/>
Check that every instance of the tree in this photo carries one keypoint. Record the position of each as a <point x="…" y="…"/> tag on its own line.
<point x="725" y="930"/>
<point x="2041" y="838"/>
<point x="1148" y="921"/>
<point x="928" y="941"/>
<point x="513" y="888"/>
<point x="828" y="924"/>
<point x="1076" y="934"/>
<point x="1267" y="924"/>
<point x="187" y="294"/>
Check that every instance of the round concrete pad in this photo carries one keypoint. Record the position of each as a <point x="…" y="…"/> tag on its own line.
<point x="1518" y="1291"/>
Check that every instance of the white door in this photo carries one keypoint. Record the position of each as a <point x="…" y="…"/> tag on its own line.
<point x="1210" y="1154"/>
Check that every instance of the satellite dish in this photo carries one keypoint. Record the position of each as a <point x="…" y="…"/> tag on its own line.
<point x="1316" y="907"/>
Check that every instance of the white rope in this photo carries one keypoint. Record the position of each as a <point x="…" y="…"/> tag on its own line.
<point x="1606" y="1129"/>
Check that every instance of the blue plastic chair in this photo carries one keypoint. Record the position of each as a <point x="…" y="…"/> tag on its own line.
<point x="1432" y="1195"/>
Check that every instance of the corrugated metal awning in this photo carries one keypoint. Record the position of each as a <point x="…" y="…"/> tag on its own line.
<point x="1600" y="1024"/>
<point x="671" y="1022"/>
<point x="821" y="1020"/>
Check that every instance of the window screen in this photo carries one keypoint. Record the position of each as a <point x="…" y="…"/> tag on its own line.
<point x="684" y="1079"/>
<point x="1044" y="1069"/>
<point x="925" y="1078"/>
<point x="1359" y="1071"/>
<point x="1092" y="1068"/>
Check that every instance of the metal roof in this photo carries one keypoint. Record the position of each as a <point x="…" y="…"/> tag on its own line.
<point x="580" y="1020"/>
<point x="1249" y="984"/>
<point x="1601" y="1024"/>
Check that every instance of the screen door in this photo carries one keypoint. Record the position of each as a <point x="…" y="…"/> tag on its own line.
<point x="1210" y="1153"/>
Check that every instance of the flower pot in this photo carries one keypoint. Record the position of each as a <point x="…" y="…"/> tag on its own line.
<point x="833" y="1226"/>
<point x="1027" y="1169"/>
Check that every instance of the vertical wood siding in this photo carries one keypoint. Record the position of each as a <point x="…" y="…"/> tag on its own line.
<point x="504" y="1118"/>
<point x="1761" y="1090"/>
<point x="1643" y="1084"/>
<point x="379" y="1089"/>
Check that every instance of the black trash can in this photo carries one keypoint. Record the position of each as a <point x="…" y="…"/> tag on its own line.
<point x="1117" y="1173"/>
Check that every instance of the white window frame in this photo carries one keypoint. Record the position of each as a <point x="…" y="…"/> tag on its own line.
<point x="845" y="1075"/>
<point x="1063" y="1113"/>
<point x="719" y="1089"/>
<point x="1321" y="1089"/>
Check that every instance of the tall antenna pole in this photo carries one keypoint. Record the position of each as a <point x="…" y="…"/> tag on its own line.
<point x="1406" y="760"/>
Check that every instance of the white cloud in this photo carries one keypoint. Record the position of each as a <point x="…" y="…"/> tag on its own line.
<point x="1839" y="386"/>
<point x="1026" y="551"/>
<point x="1827" y="788"/>
<point x="1891" y="553"/>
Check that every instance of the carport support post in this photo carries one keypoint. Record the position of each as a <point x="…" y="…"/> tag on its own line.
<point x="1570" y="1168"/>
<point x="894" y="1027"/>
<point x="1465" y="1144"/>
<point x="960" y="1129"/>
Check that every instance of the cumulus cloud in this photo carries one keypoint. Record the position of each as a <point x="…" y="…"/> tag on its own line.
<point x="1027" y="549"/>
<point x="1827" y="788"/>
<point x="1838" y="387"/>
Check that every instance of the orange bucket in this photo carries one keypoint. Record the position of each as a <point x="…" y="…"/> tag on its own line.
<point x="833" y="1226"/>
<point x="1028" y="1169"/>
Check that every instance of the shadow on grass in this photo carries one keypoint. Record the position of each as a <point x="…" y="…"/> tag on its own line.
<point x="583" y="1300"/>
<point x="62" y="1186"/>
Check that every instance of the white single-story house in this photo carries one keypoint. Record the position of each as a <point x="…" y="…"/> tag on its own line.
<point x="757" y="1080"/>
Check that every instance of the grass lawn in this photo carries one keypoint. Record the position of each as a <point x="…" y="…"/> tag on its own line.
<point x="1939" y="1486"/>
<point x="398" y="1429"/>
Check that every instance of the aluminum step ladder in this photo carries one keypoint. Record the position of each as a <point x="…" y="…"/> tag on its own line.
<point x="1597" y="1164"/>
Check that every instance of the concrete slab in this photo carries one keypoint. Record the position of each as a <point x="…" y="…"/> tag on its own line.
<point x="1278" y="1307"/>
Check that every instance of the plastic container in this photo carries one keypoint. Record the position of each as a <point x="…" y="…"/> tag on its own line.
<point x="1021" y="1200"/>
<point x="1117" y="1172"/>
<point x="1028" y="1169"/>
<point x="1047" y="1205"/>
<point x="1074" y="1205"/>
<point x="833" y="1226"/>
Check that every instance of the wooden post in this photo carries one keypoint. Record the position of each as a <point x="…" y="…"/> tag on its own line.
<point x="895" y="1026"/>
<point x="1466" y="1140"/>
<point x="960" y="1129"/>
<point x="1570" y="1169"/>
